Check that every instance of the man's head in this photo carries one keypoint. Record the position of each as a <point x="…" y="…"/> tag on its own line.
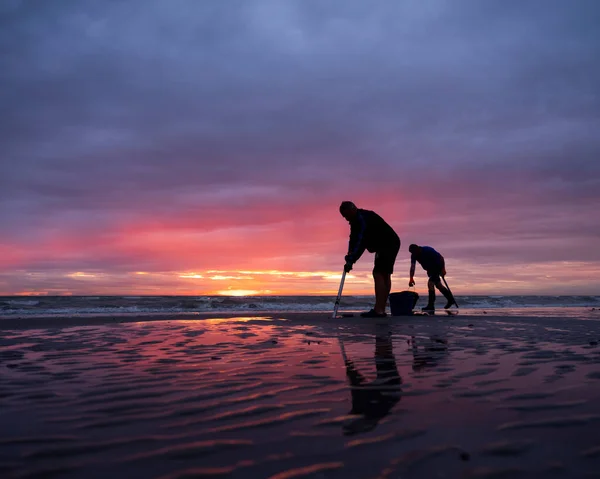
<point x="414" y="249"/>
<point x="348" y="210"/>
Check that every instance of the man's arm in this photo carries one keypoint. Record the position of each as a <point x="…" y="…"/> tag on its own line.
<point x="356" y="245"/>
<point x="411" y="282"/>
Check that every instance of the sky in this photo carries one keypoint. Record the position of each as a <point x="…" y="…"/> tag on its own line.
<point x="204" y="147"/>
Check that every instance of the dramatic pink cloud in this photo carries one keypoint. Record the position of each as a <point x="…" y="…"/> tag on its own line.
<point x="204" y="147"/>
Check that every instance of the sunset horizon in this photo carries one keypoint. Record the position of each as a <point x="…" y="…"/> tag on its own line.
<point x="269" y="283"/>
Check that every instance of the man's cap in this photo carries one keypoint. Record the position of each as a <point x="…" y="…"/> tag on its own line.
<point x="413" y="248"/>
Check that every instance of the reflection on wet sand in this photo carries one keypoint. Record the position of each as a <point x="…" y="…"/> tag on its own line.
<point x="373" y="400"/>
<point x="428" y="352"/>
<point x="492" y="397"/>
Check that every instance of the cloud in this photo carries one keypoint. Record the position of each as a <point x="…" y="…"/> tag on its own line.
<point x="240" y="126"/>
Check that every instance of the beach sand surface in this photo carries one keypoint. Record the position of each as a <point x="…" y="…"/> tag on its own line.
<point x="300" y="395"/>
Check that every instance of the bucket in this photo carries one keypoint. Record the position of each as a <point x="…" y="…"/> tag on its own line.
<point x="402" y="304"/>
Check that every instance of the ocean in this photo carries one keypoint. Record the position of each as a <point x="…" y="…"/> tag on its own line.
<point x="70" y="306"/>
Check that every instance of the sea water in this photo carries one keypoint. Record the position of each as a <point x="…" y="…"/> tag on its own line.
<point x="68" y="306"/>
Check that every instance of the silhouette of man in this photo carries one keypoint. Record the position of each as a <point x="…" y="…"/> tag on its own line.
<point x="369" y="231"/>
<point x="435" y="265"/>
<point x="373" y="401"/>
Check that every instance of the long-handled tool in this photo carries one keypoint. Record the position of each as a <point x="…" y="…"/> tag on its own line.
<point x="339" y="295"/>
<point x="450" y="291"/>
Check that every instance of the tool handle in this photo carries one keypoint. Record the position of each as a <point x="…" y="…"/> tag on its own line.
<point x="451" y="293"/>
<point x="339" y="295"/>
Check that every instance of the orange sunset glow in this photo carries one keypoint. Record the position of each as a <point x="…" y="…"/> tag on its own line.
<point x="267" y="251"/>
<point x="216" y="165"/>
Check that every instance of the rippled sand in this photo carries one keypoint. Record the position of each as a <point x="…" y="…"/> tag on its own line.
<point x="301" y="396"/>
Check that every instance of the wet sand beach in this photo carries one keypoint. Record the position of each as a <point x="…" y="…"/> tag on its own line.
<point x="299" y="395"/>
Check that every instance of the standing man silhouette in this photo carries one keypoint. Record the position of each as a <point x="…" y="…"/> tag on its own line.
<point x="369" y="231"/>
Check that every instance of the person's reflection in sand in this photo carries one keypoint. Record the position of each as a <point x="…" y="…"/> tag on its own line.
<point x="372" y="401"/>
<point x="428" y="352"/>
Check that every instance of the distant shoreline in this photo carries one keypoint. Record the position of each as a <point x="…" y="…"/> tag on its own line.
<point x="312" y="295"/>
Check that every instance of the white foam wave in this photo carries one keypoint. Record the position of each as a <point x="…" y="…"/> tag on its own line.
<point x="122" y="305"/>
<point x="22" y="302"/>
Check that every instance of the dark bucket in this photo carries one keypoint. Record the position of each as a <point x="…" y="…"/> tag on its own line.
<point x="402" y="304"/>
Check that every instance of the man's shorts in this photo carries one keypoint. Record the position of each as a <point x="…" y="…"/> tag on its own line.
<point x="385" y="259"/>
<point x="434" y="274"/>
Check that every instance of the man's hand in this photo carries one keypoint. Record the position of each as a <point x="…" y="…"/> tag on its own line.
<point x="349" y="263"/>
<point x="411" y="283"/>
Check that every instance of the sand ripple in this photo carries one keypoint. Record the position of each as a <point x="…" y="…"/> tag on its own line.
<point x="246" y="398"/>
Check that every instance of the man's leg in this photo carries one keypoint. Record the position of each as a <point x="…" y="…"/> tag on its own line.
<point x="431" y="299"/>
<point x="382" y="276"/>
<point x="445" y="292"/>
<point x="383" y="286"/>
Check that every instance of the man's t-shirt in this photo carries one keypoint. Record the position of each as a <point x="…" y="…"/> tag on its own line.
<point x="369" y="231"/>
<point x="429" y="258"/>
